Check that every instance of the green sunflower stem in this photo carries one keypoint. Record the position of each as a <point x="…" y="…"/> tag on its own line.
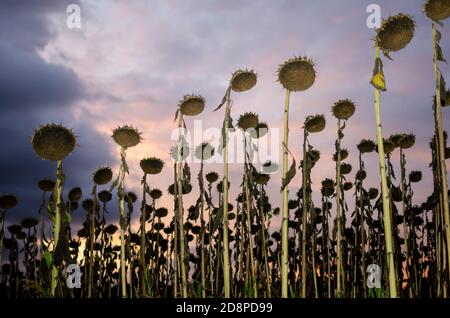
<point x="305" y="176"/>
<point x="340" y="275"/>
<point x="385" y="196"/>
<point x="121" y="193"/>
<point x="441" y="146"/>
<point x="202" y="239"/>
<point x="144" y="272"/>
<point x="92" y="241"/>
<point x="181" y="212"/>
<point x="226" y="253"/>
<point x="285" y="211"/>
<point x="57" y="228"/>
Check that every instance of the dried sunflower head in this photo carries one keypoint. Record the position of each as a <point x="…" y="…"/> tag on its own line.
<point x="110" y="229"/>
<point x="262" y="178"/>
<point x="248" y="121"/>
<point x="126" y="136"/>
<point x="407" y="141"/>
<point x="373" y="193"/>
<point x="105" y="196"/>
<point x="212" y="177"/>
<point x="315" y="124"/>
<point x="415" y="176"/>
<point x="53" y="142"/>
<point x="191" y="105"/>
<point x="75" y="194"/>
<point x="328" y="183"/>
<point x="297" y="74"/>
<point x="388" y="146"/>
<point x="28" y="223"/>
<point x="346" y="168"/>
<point x="130" y="197"/>
<point x="395" y="33"/>
<point x="155" y="194"/>
<point x="102" y="175"/>
<point x="46" y="185"/>
<point x="343" y="109"/>
<point x="396" y="139"/>
<point x="344" y="154"/>
<point x="243" y="80"/>
<point x="361" y="175"/>
<point x="366" y="145"/>
<point x="347" y="186"/>
<point x="151" y="165"/>
<point x="7" y="201"/>
<point x="437" y="9"/>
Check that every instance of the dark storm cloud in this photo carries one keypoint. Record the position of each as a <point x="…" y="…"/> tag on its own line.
<point x="27" y="82"/>
<point x="34" y="92"/>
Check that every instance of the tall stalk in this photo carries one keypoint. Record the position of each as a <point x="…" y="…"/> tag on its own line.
<point x="180" y="209"/>
<point x="441" y="144"/>
<point x="385" y="194"/>
<point x="226" y="253"/>
<point x="121" y="190"/>
<point x="285" y="210"/>
<point x="57" y="226"/>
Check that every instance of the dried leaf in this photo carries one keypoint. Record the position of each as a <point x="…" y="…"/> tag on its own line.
<point x="290" y="173"/>
<point x="377" y="80"/>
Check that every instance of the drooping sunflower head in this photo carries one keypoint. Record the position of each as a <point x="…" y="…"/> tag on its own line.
<point x="7" y="201"/>
<point x="415" y="176"/>
<point x="297" y="74"/>
<point x="407" y="141"/>
<point x="373" y="193"/>
<point x="53" y="142"/>
<point x="315" y="124"/>
<point x="46" y="185"/>
<point x="395" y="33"/>
<point x="248" y="121"/>
<point x="105" y="196"/>
<point x="396" y="139"/>
<point x="243" y="80"/>
<point x="346" y="168"/>
<point x="262" y="178"/>
<point x="366" y="146"/>
<point x="110" y="229"/>
<point x="102" y="175"/>
<point x="388" y="146"/>
<point x="155" y="194"/>
<point x="212" y="177"/>
<point x="126" y="136"/>
<point x="191" y="105"/>
<point x="151" y="165"/>
<point x="343" y="109"/>
<point x="28" y="223"/>
<point x="437" y="9"/>
<point x="75" y="194"/>
<point x="344" y="155"/>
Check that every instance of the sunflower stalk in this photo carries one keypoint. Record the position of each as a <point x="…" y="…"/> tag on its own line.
<point x="180" y="208"/>
<point x="441" y="144"/>
<point x="226" y="253"/>
<point x="385" y="195"/>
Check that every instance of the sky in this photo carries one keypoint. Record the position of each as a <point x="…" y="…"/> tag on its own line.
<point x="131" y="62"/>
